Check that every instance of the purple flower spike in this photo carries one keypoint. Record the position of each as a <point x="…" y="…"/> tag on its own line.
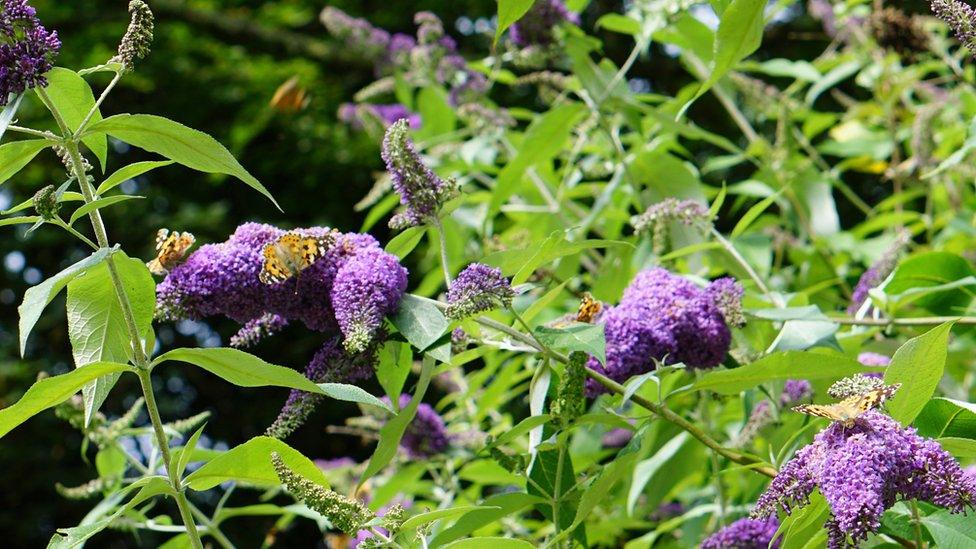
<point x="862" y="471"/>
<point x="27" y="49"/>
<point x="745" y="533"/>
<point x="426" y="436"/>
<point x="367" y="288"/>
<point x="421" y="192"/>
<point x="478" y="288"/>
<point x="661" y="317"/>
<point x="873" y="359"/>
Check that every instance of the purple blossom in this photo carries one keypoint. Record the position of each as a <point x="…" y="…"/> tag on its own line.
<point x="745" y="533"/>
<point x="862" y="471"/>
<point x="27" y="49"/>
<point x="367" y="287"/>
<point x="421" y="192"/>
<point x="329" y="365"/>
<point x="661" y="317"/>
<point x="535" y="27"/>
<point x="347" y="291"/>
<point x="353" y="114"/>
<point x="873" y="359"/>
<point x="359" y="35"/>
<point x="794" y="391"/>
<point x="877" y="273"/>
<point x="426" y="436"/>
<point x="961" y="19"/>
<point x="257" y="329"/>
<point x="667" y="511"/>
<point x="478" y="288"/>
<point x="617" y="437"/>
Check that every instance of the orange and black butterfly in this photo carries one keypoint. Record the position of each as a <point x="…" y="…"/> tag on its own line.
<point x="851" y="408"/>
<point x="290" y="97"/>
<point x="171" y="248"/>
<point x="589" y="309"/>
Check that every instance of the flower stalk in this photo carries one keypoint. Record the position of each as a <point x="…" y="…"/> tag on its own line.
<point x="140" y="359"/>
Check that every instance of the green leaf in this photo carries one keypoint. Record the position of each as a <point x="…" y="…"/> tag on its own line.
<point x="192" y="148"/>
<point x="402" y="244"/>
<point x="436" y="111"/>
<point x="129" y="172"/>
<point x="547" y="475"/>
<point x="962" y="448"/>
<point x="440" y="514"/>
<point x="490" y="543"/>
<point x="945" y="417"/>
<point x="646" y="469"/>
<point x="739" y="34"/>
<point x="183" y="457"/>
<point x="779" y="366"/>
<point x="495" y="508"/>
<point x="240" y="368"/>
<point x="543" y="140"/>
<point x="73" y="99"/>
<point x="51" y="391"/>
<point x="918" y="366"/>
<point x="578" y="336"/>
<point x="17" y="154"/>
<point x="510" y="11"/>
<point x="22" y="220"/>
<point x="250" y="463"/>
<point x="393" y="430"/>
<point x="523" y="427"/>
<point x="393" y="367"/>
<point x="97" y="328"/>
<point x="110" y="462"/>
<point x="420" y="321"/>
<point x="932" y="270"/>
<point x="835" y="76"/>
<point x="805" y="523"/>
<point x="352" y="393"/>
<point x="951" y="531"/>
<point x="98" y="205"/>
<point x="8" y="113"/>
<point x="601" y="487"/>
<point x="37" y="297"/>
<point x="68" y="196"/>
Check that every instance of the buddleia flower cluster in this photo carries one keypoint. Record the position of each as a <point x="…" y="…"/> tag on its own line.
<point x="477" y="289"/>
<point x="857" y="384"/>
<point x="427" y="435"/>
<point x="346" y="295"/>
<point x="27" y="49"/>
<point x="657" y="218"/>
<point x="422" y="192"/>
<point x="665" y="318"/>
<point x="745" y="533"/>
<point x="570" y="401"/>
<point x="877" y="273"/>
<point x="429" y="58"/>
<point x="46" y="203"/>
<point x="345" y="514"/>
<point x="138" y="36"/>
<point x="961" y="19"/>
<point x="898" y="31"/>
<point x="862" y="471"/>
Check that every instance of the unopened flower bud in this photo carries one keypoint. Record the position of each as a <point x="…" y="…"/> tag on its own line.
<point x="46" y="203"/>
<point x="138" y="37"/>
<point x="344" y="513"/>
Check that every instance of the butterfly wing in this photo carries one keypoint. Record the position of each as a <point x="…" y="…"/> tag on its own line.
<point x="275" y="268"/>
<point x="164" y="240"/>
<point x="875" y="397"/>
<point x="829" y="411"/>
<point x="589" y="309"/>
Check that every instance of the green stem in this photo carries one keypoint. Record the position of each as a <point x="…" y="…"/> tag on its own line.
<point x="442" y="240"/>
<point x="659" y="409"/>
<point x="60" y="223"/>
<point x="746" y="267"/>
<point x="917" y="321"/>
<point x="139" y="359"/>
<point x="212" y="528"/>
<point x="35" y="133"/>
<point x="917" y="524"/>
<point x="101" y="98"/>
